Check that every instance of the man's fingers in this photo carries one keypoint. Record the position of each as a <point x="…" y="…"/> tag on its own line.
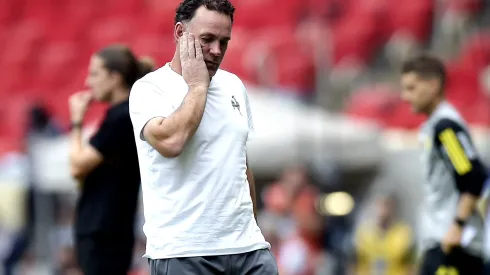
<point x="190" y="46"/>
<point x="184" y="53"/>
<point x="88" y="98"/>
<point x="198" y="49"/>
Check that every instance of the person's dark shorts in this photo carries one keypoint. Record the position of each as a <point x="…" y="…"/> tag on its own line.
<point x="104" y="253"/>
<point x="458" y="262"/>
<point x="259" y="262"/>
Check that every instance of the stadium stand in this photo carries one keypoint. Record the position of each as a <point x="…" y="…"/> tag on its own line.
<point x="45" y="46"/>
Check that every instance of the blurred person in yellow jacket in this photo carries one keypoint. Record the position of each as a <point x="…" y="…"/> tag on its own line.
<point x="385" y="246"/>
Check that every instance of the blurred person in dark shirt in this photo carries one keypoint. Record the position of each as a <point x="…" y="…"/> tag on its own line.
<point x="107" y="167"/>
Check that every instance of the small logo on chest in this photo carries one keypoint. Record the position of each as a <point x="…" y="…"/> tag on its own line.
<point x="235" y="104"/>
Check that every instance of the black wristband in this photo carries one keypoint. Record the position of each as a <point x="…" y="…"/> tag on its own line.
<point x="460" y="222"/>
<point x="76" y="125"/>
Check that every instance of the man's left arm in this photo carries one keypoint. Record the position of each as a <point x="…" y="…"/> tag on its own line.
<point x="251" y="184"/>
<point x="456" y="147"/>
<point x="83" y="158"/>
<point x="251" y="131"/>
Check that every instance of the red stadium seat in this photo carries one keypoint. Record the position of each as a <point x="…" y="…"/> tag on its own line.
<point x="158" y="17"/>
<point x="294" y="68"/>
<point x="330" y="10"/>
<point x="123" y="7"/>
<point x="370" y="8"/>
<point x="110" y="31"/>
<point x="237" y="59"/>
<point x="256" y="14"/>
<point x="22" y="42"/>
<point x="10" y="10"/>
<point x="355" y="38"/>
<point x="160" y="48"/>
<point x="9" y="144"/>
<point x="45" y="47"/>
<point x="464" y="6"/>
<point x="288" y="61"/>
<point x="476" y="53"/>
<point x="14" y="117"/>
<point x="66" y="29"/>
<point x="477" y="113"/>
<point x="463" y="85"/>
<point x="403" y="117"/>
<point x="40" y="10"/>
<point x="54" y="65"/>
<point x="411" y="17"/>
<point x="372" y="103"/>
<point x="384" y="105"/>
<point x="18" y="52"/>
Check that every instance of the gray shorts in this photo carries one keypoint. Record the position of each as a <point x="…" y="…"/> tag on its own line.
<point x="259" y="262"/>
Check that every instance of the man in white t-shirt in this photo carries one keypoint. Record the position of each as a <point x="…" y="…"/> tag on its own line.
<point x="192" y="122"/>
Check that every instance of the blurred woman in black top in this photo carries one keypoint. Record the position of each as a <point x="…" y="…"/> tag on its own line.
<point x="107" y="167"/>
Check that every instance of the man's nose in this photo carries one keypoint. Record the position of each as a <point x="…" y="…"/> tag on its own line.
<point x="215" y="49"/>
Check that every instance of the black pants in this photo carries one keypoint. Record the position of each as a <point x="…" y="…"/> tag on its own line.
<point x="458" y="262"/>
<point x="487" y="269"/>
<point x="104" y="253"/>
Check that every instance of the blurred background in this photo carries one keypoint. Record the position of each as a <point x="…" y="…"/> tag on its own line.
<point x="336" y="151"/>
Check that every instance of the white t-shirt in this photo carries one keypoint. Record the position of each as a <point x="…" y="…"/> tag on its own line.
<point x="197" y="204"/>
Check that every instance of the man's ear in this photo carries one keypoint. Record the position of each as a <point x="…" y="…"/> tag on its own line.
<point x="116" y="77"/>
<point x="436" y="84"/>
<point x="179" y="29"/>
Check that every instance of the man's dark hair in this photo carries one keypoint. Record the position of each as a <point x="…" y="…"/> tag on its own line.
<point x="187" y="9"/>
<point x="426" y="67"/>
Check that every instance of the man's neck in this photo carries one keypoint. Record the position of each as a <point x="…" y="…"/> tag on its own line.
<point x="434" y="106"/>
<point x="175" y="64"/>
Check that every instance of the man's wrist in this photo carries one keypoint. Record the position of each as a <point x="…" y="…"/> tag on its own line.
<point x="76" y="125"/>
<point x="460" y="222"/>
<point x="199" y="89"/>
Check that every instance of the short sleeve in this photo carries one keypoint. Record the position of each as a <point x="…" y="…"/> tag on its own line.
<point x="147" y="101"/>
<point x="251" y="126"/>
<point x="455" y="146"/>
<point x="108" y="138"/>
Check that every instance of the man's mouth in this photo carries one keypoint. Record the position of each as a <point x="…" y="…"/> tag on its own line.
<point x="211" y="65"/>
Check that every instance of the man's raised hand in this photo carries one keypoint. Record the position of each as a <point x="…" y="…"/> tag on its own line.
<point x="194" y="68"/>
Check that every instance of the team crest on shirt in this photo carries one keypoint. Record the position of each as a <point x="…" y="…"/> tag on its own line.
<point x="235" y="104"/>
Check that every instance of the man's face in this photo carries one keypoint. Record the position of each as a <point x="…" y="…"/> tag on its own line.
<point x="213" y="29"/>
<point x="418" y="92"/>
<point x="99" y="80"/>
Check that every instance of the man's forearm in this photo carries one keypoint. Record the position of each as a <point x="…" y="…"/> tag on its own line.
<point x="76" y="147"/>
<point x="75" y="143"/>
<point x="466" y="206"/>
<point x="251" y="183"/>
<point x="184" y="122"/>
